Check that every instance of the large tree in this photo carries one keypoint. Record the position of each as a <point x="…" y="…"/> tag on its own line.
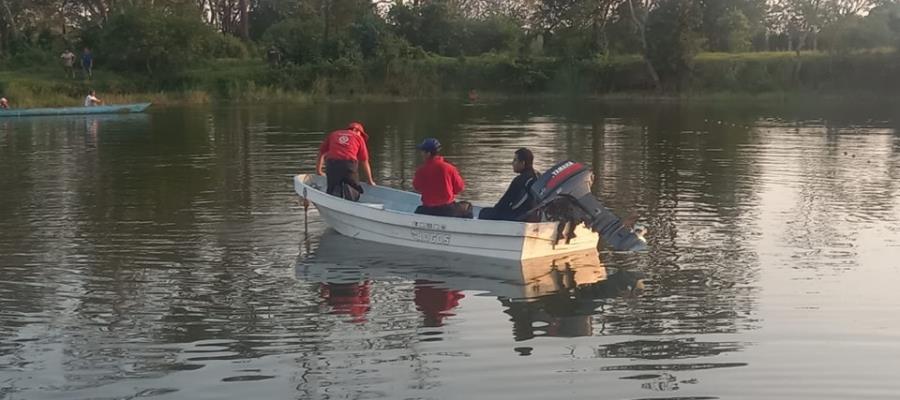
<point x="639" y="10"/>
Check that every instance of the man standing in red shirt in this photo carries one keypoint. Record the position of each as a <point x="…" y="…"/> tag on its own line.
<point x="439" y="182"/>
<point x="342" y="151"/>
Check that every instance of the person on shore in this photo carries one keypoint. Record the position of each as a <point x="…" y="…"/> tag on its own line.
<point x="4" y="103"/>
<point x="342" y="152"/>
<point x="517" y="202"/>
<point x="68" y="61"/>
<point x="439" y="182"/>
<point x="87" y="63"/>
<point x="91" y="99"/>
<point x="473" y="96"/>
<point x="273" y="56"/>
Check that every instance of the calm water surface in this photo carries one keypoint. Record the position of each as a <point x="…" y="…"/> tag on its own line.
<point x="164" y="256"/>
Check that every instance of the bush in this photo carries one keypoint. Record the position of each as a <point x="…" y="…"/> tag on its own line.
<point x="299" y="41"/>
<point x="493" y="34"/>
<point x="855" y="32"/>
<point x="31" y="56"/>
<point x="674" y="39"/>
<point x="735" y="31"/>
<point x="569" y="43"/>
<point x="371" y="34"/>
<point x="228" y="46"/>
<point x="432" y="26"/>
<point x="152" y="40"/>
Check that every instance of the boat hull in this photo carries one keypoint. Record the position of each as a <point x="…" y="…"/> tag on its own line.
<point x="110" y="109"/>
<point x="385" y="215"/>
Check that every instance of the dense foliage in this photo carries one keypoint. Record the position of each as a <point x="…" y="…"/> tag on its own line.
<point x="312" y="40"/>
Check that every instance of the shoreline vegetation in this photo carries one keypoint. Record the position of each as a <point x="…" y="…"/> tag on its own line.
<point x="757" y="76"/>
<point x="176" y="51"/>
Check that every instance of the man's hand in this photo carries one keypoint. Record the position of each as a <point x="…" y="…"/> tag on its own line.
<point x="319" y="172"/>
<point x="372" y="183"/>
<point x="630" y="221"/>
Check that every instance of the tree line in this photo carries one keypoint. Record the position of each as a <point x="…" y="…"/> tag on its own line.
<point x="159" y="36"/>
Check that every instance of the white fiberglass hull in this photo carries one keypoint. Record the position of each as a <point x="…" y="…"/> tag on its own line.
<point x="385" y="215"/>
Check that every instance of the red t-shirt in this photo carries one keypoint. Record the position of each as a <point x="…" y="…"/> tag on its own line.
<point x="438" y="181"/>
<point x="344" y="145"/>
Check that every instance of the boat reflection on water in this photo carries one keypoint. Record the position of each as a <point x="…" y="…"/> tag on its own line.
<point x="554" y="296"/>
<point x="567" y="309"/>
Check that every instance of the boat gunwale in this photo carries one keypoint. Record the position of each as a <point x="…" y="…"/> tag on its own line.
<point x="511" y="228"/>
<point x="77" y="110"/>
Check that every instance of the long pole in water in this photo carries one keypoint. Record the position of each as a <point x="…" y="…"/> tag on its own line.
<point x="305" y="203"/>
<point x="305" y="215"/>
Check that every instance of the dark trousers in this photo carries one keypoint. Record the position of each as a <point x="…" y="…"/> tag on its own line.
<point x="343" y="179"/>
<point x="459" y="209"/>
<point x="497" y="214"/>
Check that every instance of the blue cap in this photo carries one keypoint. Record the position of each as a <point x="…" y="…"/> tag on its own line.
<point x="429" y="144"/>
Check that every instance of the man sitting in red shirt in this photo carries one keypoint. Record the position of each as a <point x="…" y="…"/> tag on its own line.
<point x="439" y="182"/>
<point x="342" y="151"/>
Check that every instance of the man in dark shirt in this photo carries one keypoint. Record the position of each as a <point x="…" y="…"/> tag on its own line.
<point x="87" y="63"/>
<point x="517" y="201"/>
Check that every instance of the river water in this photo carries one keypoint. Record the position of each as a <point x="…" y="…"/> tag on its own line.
<point x="164" y="256"/>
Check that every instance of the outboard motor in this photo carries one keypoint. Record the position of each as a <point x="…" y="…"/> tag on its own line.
<point x="570" y="181"/>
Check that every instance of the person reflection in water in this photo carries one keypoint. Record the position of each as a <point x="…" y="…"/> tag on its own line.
<point x="347" y="299"/>
<point x="92" y="128"/>
<point x="567" y="312"/>
<point x="435" y="302"/>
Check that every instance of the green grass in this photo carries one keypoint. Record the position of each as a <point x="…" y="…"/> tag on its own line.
<point x="758" y="56"/>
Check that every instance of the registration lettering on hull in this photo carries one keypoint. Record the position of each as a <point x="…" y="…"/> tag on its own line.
<point x="430" y="237"/>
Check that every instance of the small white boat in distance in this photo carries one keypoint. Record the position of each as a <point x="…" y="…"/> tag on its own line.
<point x="386" y="215"/>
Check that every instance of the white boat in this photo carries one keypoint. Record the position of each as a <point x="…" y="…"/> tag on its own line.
<point x="386" y="215"/>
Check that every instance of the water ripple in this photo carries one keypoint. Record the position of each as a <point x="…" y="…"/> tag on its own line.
<point x="164" y="256"/>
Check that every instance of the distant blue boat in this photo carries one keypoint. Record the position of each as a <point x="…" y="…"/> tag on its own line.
<point x="110" y="109"/>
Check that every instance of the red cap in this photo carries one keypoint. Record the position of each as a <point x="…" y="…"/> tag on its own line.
<point x="356" y="126"/>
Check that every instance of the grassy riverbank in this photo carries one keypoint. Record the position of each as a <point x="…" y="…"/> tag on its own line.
<point x="714" y="76"/>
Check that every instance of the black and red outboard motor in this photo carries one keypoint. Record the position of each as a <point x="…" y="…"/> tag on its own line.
<point x="570" y="182"/>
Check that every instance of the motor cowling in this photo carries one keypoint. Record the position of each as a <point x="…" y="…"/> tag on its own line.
<point x="568" y="183"/>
